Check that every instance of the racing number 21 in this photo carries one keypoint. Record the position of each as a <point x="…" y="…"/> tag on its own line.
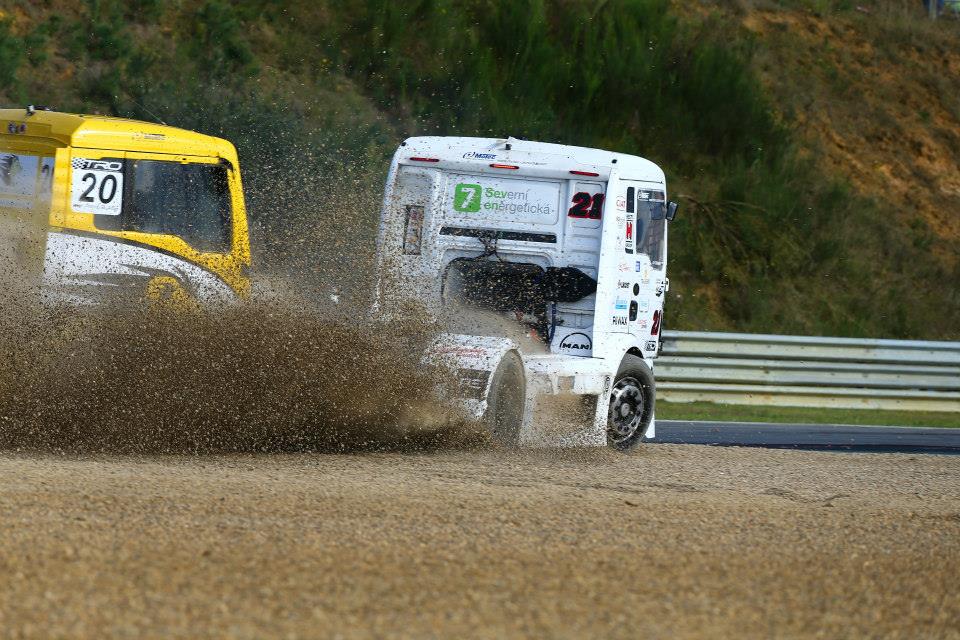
<point x="586" y="206"/>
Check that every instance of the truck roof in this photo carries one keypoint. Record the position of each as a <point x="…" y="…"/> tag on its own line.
<point x="463" y="153"/>
<point x="105" y="132"/>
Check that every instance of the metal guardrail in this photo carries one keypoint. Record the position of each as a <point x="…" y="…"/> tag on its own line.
<point x="800" y="371"/>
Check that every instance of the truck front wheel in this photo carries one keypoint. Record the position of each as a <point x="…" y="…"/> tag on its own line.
<point x="631" y="403"/>
<point x="505" y="402"/>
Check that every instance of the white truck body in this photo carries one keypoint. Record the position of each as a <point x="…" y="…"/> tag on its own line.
<point x="501" y="239"/>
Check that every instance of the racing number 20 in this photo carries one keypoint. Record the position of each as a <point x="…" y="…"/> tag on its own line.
<point x="106" y="192"/>
<point x="586" y="206"/>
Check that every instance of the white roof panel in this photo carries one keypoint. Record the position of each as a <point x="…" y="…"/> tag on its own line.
<point x="462" y="152"/>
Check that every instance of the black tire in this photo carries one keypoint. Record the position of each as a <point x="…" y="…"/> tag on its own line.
<point x="632" y="401"/>
<point x="505" y="402"/>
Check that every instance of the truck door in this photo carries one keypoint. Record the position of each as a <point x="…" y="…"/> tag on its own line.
<point x="170" y="227"/>
<point x="652" y="265"/>
<point x="638" y="308"/>
<point x="581" y="249"/>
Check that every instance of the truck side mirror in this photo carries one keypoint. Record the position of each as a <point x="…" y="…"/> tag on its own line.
<point x="672" y="210"/>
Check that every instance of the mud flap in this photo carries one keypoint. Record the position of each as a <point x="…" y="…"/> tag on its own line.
<point x="567" y="403"/>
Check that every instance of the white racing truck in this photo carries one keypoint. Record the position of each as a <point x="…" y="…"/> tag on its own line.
<point x="546" y="265"/>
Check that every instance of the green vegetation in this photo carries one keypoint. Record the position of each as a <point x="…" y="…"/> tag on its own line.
<point x="319" y="93"/>
<point x="804" y="415"/>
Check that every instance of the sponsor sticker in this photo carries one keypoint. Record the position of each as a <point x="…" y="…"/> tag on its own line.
<point x="619" y="321"/>
<point x="476" y="155"/>
<point x="466" y="352"/>
<point x="577" y="344"/>
<point x="466" y="198"/>
<point x="480" y="198"/>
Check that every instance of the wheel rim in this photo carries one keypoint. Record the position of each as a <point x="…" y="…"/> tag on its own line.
<point x="626" y="409"/>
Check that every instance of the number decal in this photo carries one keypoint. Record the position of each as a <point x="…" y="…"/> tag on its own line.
<point x="655" y="329"/>
<point x="597" y="209"/>
<point x="93" y="183"/>
<point x="97" y="186"/>
<point x="580" y="203"/>
<point x="586" y="206"/>
<point x="112" y="181"/>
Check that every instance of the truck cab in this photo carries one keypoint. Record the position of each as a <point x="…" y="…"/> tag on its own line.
<point x="546" y="264"/>
<point x="93" y="207"/>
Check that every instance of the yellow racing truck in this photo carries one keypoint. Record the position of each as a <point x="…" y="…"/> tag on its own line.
<point x="95" y="206"/>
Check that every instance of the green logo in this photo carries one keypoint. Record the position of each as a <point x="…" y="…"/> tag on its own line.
<point x="466" y="198"/>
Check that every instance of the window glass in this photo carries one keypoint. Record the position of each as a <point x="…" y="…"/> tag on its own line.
<point x="412" y="195"/>
<point x="651" y="226"/>
<point x="190" y="201"/>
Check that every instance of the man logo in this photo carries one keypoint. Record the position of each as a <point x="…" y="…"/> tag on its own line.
<point x="577" y="344"/>
<point x="466" y="198"/>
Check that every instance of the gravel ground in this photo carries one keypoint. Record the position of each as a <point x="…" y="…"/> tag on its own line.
<point x="673" y="541"/>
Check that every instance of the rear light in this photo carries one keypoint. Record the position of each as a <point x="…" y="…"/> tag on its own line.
<point x="591" y="174"/>
<point x="504" y="166"/>
<point x="425" y="159"/>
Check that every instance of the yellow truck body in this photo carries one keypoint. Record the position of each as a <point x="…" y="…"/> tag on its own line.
<point x="91" y="205"/>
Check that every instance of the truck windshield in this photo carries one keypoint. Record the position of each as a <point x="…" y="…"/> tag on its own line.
<point x="190" y="201"/>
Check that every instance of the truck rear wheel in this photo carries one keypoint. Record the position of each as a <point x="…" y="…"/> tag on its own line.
<point x="631" y="403"/>
<point x="505" y="402"/>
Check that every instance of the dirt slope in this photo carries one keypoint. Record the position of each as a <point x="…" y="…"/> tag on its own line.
<point x="876" y="93"/>
<point x="672" y="542"/>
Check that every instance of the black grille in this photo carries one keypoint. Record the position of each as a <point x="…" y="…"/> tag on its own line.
<point x="494" y="234"/>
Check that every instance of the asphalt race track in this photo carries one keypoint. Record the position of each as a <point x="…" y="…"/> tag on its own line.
<point x="837" y="437"/>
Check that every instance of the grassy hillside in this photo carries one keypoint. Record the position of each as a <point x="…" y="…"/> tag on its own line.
<point x="760" y="112"/>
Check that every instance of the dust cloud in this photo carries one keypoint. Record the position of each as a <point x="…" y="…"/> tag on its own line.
<point x="251" y="378"/>
<point x="301" y="366"/>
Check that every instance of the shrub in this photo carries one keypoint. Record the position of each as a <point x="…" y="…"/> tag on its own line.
<point x="11" y="55"/>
